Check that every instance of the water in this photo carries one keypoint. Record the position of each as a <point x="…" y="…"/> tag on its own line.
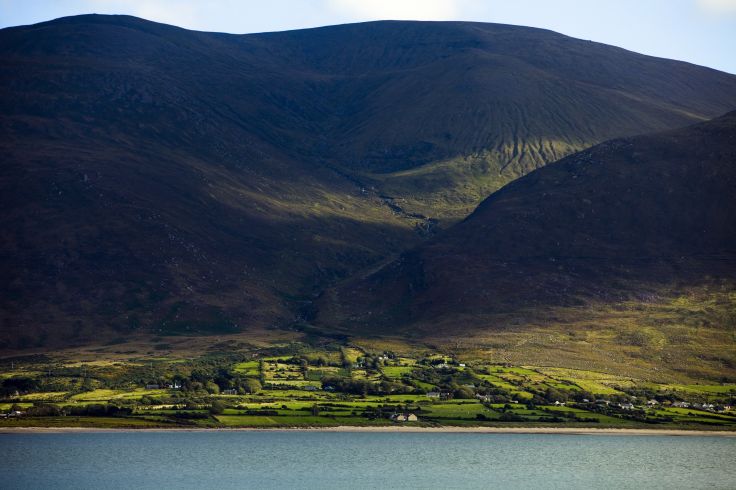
<point x="262" y="460"/>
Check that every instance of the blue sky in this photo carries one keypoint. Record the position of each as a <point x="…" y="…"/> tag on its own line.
<point x="699" y="31"/>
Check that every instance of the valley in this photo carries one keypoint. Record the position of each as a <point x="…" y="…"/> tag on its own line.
<point x="472" y="224"/>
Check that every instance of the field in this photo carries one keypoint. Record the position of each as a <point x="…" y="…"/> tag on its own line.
<point x="301" y="385"/>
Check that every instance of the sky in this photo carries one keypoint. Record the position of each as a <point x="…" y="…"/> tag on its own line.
<point x="698" y="31"/>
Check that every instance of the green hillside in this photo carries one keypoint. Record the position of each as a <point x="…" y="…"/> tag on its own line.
<point x="163" y="181"/>
<point x="621" y="256"/>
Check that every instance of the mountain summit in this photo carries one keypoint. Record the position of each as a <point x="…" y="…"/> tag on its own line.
<point x="163" y="180"/>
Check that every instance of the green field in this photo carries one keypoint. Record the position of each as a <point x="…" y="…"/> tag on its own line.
<point x="285" y="387"/>
<point x="396" y="371"/>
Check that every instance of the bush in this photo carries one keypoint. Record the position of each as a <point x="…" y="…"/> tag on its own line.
<point x="99" y="410"/>
<point x="217" y="407"/>
<point x="20" y="384"/>
<point x="510" y="417"/>
<point x="44" y="410"/>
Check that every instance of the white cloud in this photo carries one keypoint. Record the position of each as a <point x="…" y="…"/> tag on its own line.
<point x="718" y="6"/>
<point x="397" y="9"/>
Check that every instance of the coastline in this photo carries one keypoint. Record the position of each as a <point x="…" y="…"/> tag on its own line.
<point x="392" y="429"/>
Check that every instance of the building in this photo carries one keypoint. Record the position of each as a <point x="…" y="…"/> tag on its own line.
<point x="404" y="417"/>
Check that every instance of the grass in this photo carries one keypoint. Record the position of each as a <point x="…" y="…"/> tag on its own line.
<point x="248" y="368"/>
<point x="351" y="354"/>
<point x="44" y="396"/>
<point x="396" y="371"/>
<point x="701" y="389"/>
<point x="293" y="421"/>
<point x="293" y="406"/>
<point x="98" y="422"/>
<point x="292" y="382"/>
<point x="103" y="395"/>
<point x="502" y="383"/>
<point x="457" y="410"/>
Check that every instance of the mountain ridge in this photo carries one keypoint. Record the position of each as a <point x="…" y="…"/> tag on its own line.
<point x="162" y="180"/>
<point x="604" y="224"/>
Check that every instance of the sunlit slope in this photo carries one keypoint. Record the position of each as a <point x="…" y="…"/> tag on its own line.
<point x="630" y="218"/>
<point x="162" y="180"/>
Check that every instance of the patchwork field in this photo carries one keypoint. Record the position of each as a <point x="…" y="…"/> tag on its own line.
<point x="303" y="385"/>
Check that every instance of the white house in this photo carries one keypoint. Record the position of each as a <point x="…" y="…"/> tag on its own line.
<point x="404" y="417"/>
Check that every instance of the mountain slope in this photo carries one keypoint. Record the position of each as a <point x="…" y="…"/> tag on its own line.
<point x="626" y="218"/>
<point x="173" y="181"/>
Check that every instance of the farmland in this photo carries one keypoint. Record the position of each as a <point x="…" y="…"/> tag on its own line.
<point x="304" y="385"/>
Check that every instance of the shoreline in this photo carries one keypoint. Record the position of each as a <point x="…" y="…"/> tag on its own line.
<point x="391" y="429"/>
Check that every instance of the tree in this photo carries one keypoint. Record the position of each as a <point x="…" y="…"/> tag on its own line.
<point x="463" y="392"/>
<point x="217" y="407"/>
<point x="252" y="385"/>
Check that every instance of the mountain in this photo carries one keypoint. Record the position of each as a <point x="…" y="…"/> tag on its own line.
<point x="624" y="220"/>
<point x="162" y="180"/>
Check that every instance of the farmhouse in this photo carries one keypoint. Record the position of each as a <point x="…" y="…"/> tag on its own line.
<point x="404" y="417"/>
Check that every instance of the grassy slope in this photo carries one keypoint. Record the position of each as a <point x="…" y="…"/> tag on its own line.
<point x="619" y="257"/>
<point x="164" y="180"/>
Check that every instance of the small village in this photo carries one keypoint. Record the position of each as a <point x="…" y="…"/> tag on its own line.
<point x="299" y="385"/>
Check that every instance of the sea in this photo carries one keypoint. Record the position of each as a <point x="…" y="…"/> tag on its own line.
<point x="357" y="460"/>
